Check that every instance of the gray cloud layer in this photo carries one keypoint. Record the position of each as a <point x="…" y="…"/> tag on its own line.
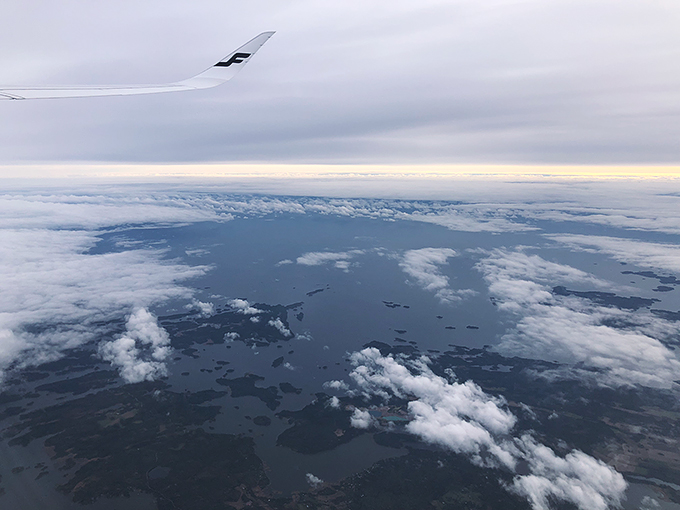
<point x="433" y="81"/>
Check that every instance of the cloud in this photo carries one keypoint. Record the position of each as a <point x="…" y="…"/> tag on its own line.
<point x="457" y="218"/>
<point x="304" y="336"/>
<point x="204" y="309"/>
<point x="312" y="480"/>
<point x="481" y="205"/>
<point x="641" y="253"/>
<point x="468" y="412"/>
<point x="615" y="346"/>
<point x="649" y="503"/>
<point x="473" y="204"/>
<point x="422" y="266"/>
<point x="520" y="279"/>
<point x="361" y="419"/>
<point x="242" y="306"/>
<point x="197" y="252"/>
<point x="336" y="385"/>
<point x="101" y="209"/>
<point x="231" y="336"/>
<point x="577" y="478"/>
<point x="340" y="260"/>
<point x="463" y="418"/>
<point x="280" y="326"/>
<point x="140" y="353"/>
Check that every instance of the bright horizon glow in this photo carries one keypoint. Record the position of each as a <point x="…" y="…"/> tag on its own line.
<point x="324" y="171"/>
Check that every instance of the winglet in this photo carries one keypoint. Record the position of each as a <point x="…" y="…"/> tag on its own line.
<point x="229" y="66"/>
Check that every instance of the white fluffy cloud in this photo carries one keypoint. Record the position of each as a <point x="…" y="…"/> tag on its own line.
<point x="140" y="353"/>
<point x="312" y="480"/>
<point x="204" y="309"/>
<point x="231" y="336"/>
<point x="242" y="306"/>
<point x="465" y="419"/>
<point x="361" y="419"/>
<point x="336" y="385"/>
<point x="459" y="416"/>
<point x="574" y="330"/>
<point x="423" y="267"/>
<point x="280" y="326"/>
<point x="341" y="260"/>
<point x="578" y="478"/>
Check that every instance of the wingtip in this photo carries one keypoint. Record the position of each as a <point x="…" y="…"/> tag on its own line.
<point x="264" y="36"/>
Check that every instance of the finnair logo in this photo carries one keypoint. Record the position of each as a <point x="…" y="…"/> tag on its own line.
<point x="236" y="58"/>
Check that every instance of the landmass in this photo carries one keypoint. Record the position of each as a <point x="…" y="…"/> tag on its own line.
<point x="318" y="426"/>
<point x="130" y="431"/>
<point x="289" y="388"/>
<point x="667" y="280"/>
<point x="608" y="298"/>
<point x="145" y="437"/>
<point x="422" y="479"/>
<point x="245" y="386"/>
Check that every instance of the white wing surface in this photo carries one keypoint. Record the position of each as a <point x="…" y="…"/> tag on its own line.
<point x="223" y="71"/>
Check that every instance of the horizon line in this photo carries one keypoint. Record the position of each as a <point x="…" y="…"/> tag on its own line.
<point x="98" y="170"/>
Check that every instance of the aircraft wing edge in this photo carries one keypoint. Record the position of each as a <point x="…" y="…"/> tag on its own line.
<point x="222" y="71"/>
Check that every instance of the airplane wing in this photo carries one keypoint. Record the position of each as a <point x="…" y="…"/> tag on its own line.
<point x="224" y="70"/>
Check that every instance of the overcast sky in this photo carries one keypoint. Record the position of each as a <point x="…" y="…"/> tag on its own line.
<point x="380" y="82"/>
